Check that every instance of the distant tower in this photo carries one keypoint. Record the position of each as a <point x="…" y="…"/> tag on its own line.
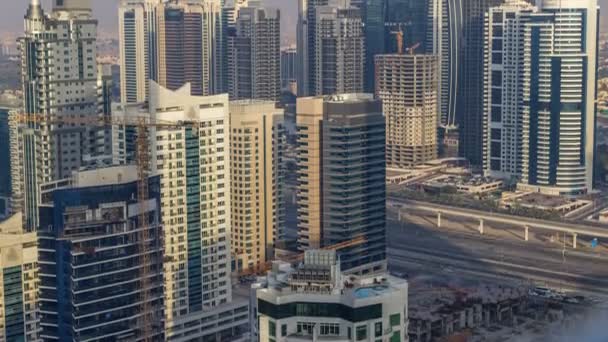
<point x="60" y="79"/>
<point x="339" y="60"/>
<point x="407" y="85"/>
<point x="306" y="44"/>
<point x="138" y="35"/>
<point x="559" y="97"/>
<point x="255" y="55"/>
<point x="190" y="46"/>
<point x="469" y="107"/>
<point x="503" y="89"/>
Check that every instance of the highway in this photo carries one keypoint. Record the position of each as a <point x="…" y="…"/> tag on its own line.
<point x="458" y="251"/>
<point x="587" y="229"/>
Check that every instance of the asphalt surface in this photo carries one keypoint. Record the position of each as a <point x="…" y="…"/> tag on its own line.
<point x="457" y="250"/>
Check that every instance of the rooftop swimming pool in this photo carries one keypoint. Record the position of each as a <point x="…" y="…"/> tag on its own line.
<point x="372" y="291"/>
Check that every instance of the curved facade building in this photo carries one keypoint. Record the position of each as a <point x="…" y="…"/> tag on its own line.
<point x="560" y="62"/>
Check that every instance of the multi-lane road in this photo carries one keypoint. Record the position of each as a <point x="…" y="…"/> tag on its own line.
<point x="457" y="250"/>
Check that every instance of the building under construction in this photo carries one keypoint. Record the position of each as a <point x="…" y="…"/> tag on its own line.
<point x="450" y="315"/>
<point x="407" y="85"/>
<point x="92" y="287"/>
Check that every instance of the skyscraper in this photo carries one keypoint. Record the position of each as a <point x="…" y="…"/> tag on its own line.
<point x="469" y="110"/>
<point x="19" y="320"/>
<point x="91" y="260"/>
<point x="138" y="36"/>
<point x="192" y="157"/>
<point x="559" y="95"/>
<point x="255" y="55"/>
<point x="540" y="66"/>
<point x="190" y="46"/>
<point x="341" y="177"/>
<point x="444" y="40"/>
<point x="374" y="38"/>
<point x="339" y="59"/>
<point x="408" y="88"/>
<point x="257" y="136"/>
<point x="289" y="68"/>
<point x="306" y="45"/>
<point x="5" y="156"/>
<point x="503" y="89"/>
<point x="60" y="80"/>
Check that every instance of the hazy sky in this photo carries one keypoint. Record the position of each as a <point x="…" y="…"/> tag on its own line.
<point x="12" y="11"/>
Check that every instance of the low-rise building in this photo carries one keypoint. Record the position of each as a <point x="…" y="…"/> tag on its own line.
<point x="317" y="302"/>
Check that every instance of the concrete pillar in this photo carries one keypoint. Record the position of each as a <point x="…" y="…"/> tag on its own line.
<point x="574" y="236"/>
<point x="481" y="230"/>
<point x="438" y="219"/>
<point x="527" y="233"/>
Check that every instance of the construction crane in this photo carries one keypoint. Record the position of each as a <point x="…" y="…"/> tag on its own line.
<point x="262" y="268"/>
<point x="399" y="37"/>
<point x="413" y="48"/>
<point x="147" y="318"/>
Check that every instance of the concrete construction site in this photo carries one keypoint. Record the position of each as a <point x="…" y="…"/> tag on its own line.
<point x="494" y="313"/>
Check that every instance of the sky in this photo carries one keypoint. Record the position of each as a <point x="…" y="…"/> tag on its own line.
<point x="12" y="12"/>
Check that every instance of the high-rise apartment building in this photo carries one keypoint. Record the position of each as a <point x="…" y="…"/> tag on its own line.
<point x="190" y="46"/>
<point x="341" y="177"/>
<point x="6" y="181"/>
<point x="503" y="89"/>
<point x="59" y="76"/>
<point x="469" y="107"/>
<point x="255" y="55"/>
<point x="339" y="50"/>
<point x="257" y="140"/>
<point x="559" y="95"/>
<point x="91" y="260"/>
<point x="408" y="87"/>
<point x="375" y="29"/>
<point x="316" y="301"/>
<point x="289" y="69"/>
<point x="306" y="45"/>
<point x="540" y="93"/>
<point x="138" y="34"/>
<point x="444" y="40"/>
<point x="20" y="319"/>
<point x="193" y="161"/>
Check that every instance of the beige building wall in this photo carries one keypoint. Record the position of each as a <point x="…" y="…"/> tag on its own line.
<point x="309" y="120"/>
<point x="19" y="256"/>
<point x="192" y="161"/>
<point x="256" y="144"/>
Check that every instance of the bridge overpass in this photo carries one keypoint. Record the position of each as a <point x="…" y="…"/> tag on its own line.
<point x="526" y="223"/>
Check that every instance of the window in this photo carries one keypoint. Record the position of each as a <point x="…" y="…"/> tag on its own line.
<point x="284" y="330"/>
<point x="496" y="78"/>
<point x="396" y="337"/>
<point x="496" y="114"/>
<point x="395" y="319"/>
<point x="330" y="329"/>
<point x="496" y="134"/>
<point x="496" y="96"/>
<point x="361" y="333"/>
<point x="272" y="328"/>
<point x="378" y="329"/>
<point x="305" y="328"/>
